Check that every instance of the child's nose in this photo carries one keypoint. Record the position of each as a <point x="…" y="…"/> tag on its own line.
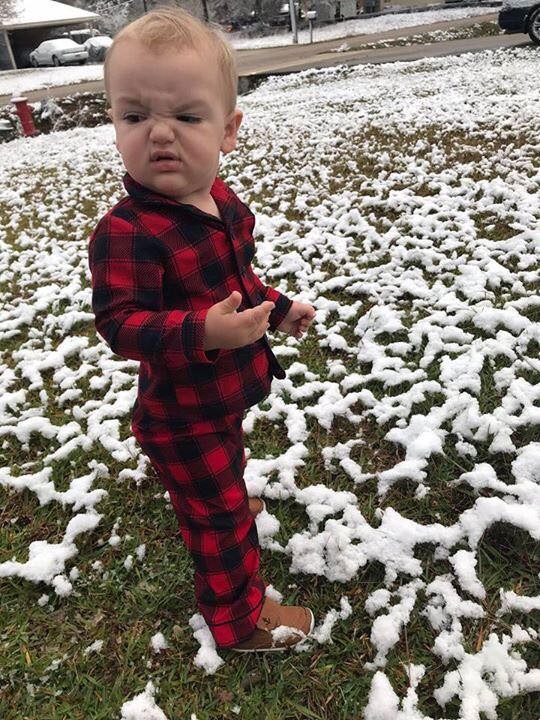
<point x="161" y="131"/>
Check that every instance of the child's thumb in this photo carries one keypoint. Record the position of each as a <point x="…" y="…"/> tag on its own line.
<point x="231" y="303"/>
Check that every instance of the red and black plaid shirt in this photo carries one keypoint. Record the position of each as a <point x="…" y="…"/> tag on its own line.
<point x="157" y="266"/>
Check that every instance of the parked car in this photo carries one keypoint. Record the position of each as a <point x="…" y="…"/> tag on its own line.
<point x="521" y="16"/>
<point x="60" y="51"/>
<point x="97" y="46"/>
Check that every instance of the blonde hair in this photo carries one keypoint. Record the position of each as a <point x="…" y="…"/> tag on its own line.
<point x="176" y="29"/>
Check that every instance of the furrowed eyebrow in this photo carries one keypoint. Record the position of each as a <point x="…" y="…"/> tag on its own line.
<point x="196" y="106"/>
<point x="193" y="106"/>
<point x="129" y="100"/>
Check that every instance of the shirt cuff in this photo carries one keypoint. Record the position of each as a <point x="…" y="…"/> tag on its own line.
<point x="193" y="334"/>
<point x="282" y="307"/>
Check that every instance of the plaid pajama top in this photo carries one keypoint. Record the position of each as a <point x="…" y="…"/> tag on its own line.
<point x="157" y="266"/>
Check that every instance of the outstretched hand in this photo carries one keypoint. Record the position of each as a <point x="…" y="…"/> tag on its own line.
<point x="297" y="320"/>
<point x="225" y="328"/>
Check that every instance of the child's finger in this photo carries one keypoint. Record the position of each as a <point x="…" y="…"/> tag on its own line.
<point x="262" y="311"/>
<point x="267" y="306"/>
<point x="254" y="322"/>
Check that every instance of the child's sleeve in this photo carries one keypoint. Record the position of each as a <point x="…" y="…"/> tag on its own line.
<point x="127" y="299"/>
<point x="282" y="302"/>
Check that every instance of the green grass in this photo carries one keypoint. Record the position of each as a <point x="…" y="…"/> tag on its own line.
<point x="126" y="608"/>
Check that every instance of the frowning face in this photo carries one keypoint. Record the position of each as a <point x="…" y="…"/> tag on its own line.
<point x="171" y="119"/>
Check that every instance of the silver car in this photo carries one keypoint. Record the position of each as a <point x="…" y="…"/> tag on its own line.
<point x="58" y="52"/>
<point x="97" y="46"/>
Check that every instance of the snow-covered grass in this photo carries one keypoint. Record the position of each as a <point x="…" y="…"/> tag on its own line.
<point x="399" y="459"/>
<point x="16" y="82"/>
<point x="427" y="38"/>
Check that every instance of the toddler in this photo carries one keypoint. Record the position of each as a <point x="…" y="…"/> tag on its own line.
<point x="173" y="287"/>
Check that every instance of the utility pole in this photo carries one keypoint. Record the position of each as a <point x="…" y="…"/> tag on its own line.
<point x="292" y="13"/>
<point x="144" y="6"/>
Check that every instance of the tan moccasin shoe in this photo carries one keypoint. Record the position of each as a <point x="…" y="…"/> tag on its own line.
<point x="256" y="506"/>
<point x="279" y="627"/>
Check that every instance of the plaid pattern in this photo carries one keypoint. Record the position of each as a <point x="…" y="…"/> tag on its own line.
<point x="202" y="468"/>
<point x="157" y="266"/>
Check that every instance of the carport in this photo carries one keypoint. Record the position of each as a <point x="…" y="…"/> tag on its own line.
<point x="25" y="23"/>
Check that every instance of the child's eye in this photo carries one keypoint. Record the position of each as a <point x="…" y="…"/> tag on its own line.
<point x="133" y="118"/>
<point x="188" y="118"/>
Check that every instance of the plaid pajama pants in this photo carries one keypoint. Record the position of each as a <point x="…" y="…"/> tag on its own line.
<point x="202" y="467"/>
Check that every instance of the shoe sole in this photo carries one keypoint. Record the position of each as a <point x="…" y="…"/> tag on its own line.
<point x="278" y="649"/>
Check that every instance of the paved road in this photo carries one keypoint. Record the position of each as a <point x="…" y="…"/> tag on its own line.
<point x="292" y="58"/>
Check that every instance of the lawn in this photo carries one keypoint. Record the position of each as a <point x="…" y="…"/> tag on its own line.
<point x="399" y="459"/>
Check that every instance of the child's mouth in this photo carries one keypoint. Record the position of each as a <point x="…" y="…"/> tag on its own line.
<point x="164" y="160"/>
<point x="165" y="163"/>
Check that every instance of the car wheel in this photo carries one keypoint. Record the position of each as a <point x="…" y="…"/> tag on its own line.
<point x="533" y="27"/>
<point x="34" y="62"/>
<point x="56" y="61"/>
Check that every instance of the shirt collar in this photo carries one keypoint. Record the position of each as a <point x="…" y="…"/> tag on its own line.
<point x="230" y="206"/>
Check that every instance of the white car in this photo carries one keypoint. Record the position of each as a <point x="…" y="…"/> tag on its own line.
<point x="97" y="46"/>
<point x="58" y="52"/>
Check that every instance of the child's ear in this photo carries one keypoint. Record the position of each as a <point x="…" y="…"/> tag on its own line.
<point x="231" y="131"/>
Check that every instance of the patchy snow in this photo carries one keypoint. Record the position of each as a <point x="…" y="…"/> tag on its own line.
<point x="403" y="202"/>
<point x="143" y="706"/>
<point x="95" y="647"/>
<point x="158" y="642"/>
<point x="207" y="656"/>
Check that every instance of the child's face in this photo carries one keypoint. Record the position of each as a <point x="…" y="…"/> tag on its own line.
<point x="170" y="117"/>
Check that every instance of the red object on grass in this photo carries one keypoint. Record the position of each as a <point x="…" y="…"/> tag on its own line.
<point x="25" y="116"/>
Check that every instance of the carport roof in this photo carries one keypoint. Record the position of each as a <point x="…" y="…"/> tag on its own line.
<point x="18" y="14"/>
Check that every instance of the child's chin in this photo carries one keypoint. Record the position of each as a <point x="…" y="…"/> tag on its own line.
<point x="165" y="185"/>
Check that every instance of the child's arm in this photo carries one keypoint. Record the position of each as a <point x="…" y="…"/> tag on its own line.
<point x="298" y="319"/>
<point x="127" y="277"/>
<point x="282" y="304"/>
<point x="288" y="316"/>
<point x="226" y="328"/>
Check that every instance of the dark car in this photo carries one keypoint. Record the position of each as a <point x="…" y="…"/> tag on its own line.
<point x="521" y="16"/>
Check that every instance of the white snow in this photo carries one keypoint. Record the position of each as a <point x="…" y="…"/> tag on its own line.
<point x="380" y="193"/>
<point x="207" y="656"/>
<point x="158" y="642"/>
<point x="95" y="647"/>
<point x="143" y="706"/>
<point x="28" y="12"/>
